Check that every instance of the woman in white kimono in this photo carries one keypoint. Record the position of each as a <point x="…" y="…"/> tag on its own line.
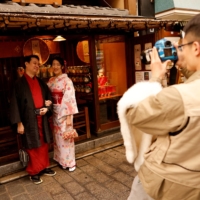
<point x="64" y="107"/>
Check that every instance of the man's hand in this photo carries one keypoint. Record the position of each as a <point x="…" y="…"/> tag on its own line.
<point x="43" y="111"/>
<point x="20" y="128"/>
<point x="158" y="69"/>
<point x="48" y="103"/>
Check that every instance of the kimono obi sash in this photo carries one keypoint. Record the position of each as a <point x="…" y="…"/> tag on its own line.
<point x="57" y="97"/>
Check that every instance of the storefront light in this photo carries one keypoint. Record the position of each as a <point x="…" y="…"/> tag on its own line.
<point x="59" y="39"/>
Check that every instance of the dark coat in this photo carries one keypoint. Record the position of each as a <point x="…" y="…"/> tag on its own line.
<point x="22" y="109"/>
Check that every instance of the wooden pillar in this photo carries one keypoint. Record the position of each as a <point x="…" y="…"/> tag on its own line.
<point x="131" y="5"/>
<point x="93" y="64"/>
<point x="129" y="59"/>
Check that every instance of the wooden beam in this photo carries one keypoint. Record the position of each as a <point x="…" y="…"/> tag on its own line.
<point x="6" y="21"/>
<point x="53" y="2"/>
<point x="2" y="24"/>
<point x="130" y="70"/>
<point x="99" y="24"/>
<point x="50" y="27"/>
<point x="93" y="64"/>
<point x="17" y="19"/>
<point x="17" y="23"/>
<point x="137" y="23"/>
<point x="50" y="21"/>
<point x="30" y="25"/>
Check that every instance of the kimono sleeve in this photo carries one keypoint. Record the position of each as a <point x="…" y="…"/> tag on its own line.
<point x="48" y="97"/>
<point x="68" y="105"/>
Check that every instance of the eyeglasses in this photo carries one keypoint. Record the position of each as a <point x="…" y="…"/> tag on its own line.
<point x="180" y="47"/>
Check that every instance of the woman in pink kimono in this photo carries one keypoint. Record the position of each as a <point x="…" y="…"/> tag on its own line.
<point x="64" y="107"/>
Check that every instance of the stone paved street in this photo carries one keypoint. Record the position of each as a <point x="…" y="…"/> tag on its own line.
<point x="104" y="175"/>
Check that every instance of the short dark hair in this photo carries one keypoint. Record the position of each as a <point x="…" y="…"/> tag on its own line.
<point x="193" y="27"/>
<point x="28" y="58"/>
<point x="59" y="59"/>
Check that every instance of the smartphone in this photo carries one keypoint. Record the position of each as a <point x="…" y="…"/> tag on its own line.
<point x="37" y="111"/>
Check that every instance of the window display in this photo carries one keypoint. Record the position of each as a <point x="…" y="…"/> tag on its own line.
<point x="81" y="78"/>
<point x="111" y="77"/>
<point x="105" y="89"/>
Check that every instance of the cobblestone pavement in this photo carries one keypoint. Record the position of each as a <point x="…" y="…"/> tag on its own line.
<point x="104" y="175"/>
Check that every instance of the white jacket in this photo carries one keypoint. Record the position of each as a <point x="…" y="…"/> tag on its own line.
<point x="136" y="142"/>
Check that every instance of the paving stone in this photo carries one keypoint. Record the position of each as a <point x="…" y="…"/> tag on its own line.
<point x="100" y="192"/>
<point x="107" y="196"/>
<point x="48" y="179"/>
<point x="57" y="169"/>
<point x="101" y="165"/>
<point x="15" y="189"/>
<point x="33" y="189"/>
<point x="95" y="188"/>
<point x="85" y="196"/>
<point x="108" y="159"/>
<point x="88" y="158"/>
<point x="22" y="197"/>
<point x="74" y="173"/>
<point x="127" y="168"/>
<point x="116" y="154"/>
<point x="41" y="196"/>
<point x="101" y="155"/>
<point x="120" y="149"/>
<point x="53" y="188"/>
<point x="116" y="187"/>
<point x="5" y="197"/>
<point x="133" y="174"/>
<point x="100" y="177"/>
<point x="81" y="163"/>
<point x="89" y="169"/>
<point x="73" y="188"/>
<point x="94" y="161"/>
<point x="62" y="177"/>
<point x="25" y="181"/>
<point x="12" y="183"/>
<point x="123" y="178"/>
<point x="124" y="196"/>
<point x="63" y="196"/>
<point x="83" y="178"/>
<point x="96" y="174"/>
<point x="2" y="189"/>
<point x="107" y="169"/>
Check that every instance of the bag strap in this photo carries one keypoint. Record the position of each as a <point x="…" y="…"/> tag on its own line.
<point x="19" y="142"/>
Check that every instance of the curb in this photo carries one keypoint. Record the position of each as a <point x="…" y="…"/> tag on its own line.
<point x="82" y="150"/>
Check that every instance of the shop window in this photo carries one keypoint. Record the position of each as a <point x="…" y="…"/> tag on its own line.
<point x="112" y="83"/>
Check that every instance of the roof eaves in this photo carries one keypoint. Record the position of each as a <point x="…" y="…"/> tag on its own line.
<point x="11" y="7"/>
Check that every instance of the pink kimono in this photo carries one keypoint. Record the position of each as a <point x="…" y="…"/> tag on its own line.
<point x="64" y="104"/>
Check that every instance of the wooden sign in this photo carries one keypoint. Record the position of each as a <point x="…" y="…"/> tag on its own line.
<point x="137" y="59"/>
<point x="37" y="47"/>
<point x="55" y="2"/>
<point x="82" y="50"/>
<point x="142" y="76"/>
<point x="147" y="46"/>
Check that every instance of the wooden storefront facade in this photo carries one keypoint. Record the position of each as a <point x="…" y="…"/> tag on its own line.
<point x="95" y="39"/>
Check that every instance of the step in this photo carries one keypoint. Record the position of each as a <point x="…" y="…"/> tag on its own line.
<point x="80" y="147"/>
<point x="23" y="173"/>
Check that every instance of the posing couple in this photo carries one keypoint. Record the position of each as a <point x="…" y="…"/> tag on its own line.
<point x="32" y="103"/>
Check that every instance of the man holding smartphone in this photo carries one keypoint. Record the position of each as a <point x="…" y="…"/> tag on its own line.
<point x="29" y="113"/>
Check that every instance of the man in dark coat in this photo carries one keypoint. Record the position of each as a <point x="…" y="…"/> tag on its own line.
<point x="28" y="111"/>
